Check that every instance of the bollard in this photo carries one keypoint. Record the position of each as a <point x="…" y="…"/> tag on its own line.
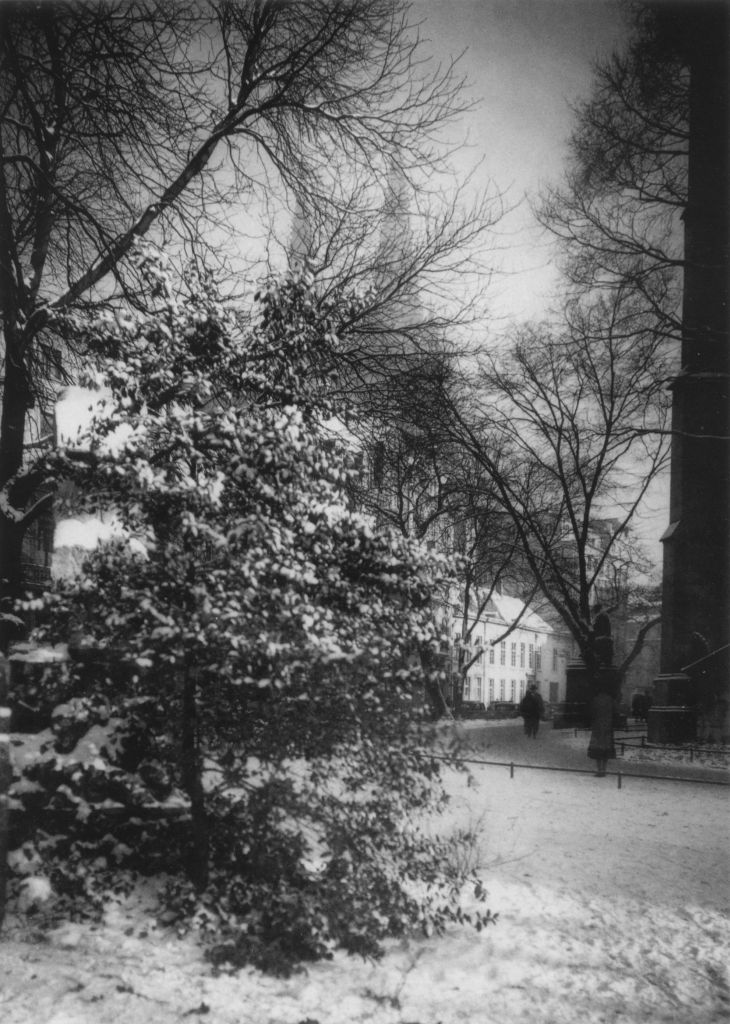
<point x="643" y="740"/>
<point x="623" y="749"/>
<point x="511" y="770"/>
<point x="691" y="754"/>
<point x="619" y="780"/>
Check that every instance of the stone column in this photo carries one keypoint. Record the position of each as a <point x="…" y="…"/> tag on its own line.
<point x="695" y="604"/>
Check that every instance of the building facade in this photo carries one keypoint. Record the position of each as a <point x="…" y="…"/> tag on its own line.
<point x="509" y="647"/>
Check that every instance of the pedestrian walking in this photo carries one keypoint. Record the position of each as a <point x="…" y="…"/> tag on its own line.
<point x="532" y="709"/>
<point x="604" y="712"/>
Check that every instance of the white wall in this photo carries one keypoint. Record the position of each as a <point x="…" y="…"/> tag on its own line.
<point x="504" y="668"/>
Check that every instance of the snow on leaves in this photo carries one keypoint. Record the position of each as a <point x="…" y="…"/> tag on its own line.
<point x="261" y="615"/>
<point x="212" y="448"/>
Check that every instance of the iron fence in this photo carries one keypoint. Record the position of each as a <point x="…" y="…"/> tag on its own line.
<point x="620" y="775"/>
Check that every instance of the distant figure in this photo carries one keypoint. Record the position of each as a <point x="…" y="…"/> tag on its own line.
<point x="532" y="708"/>
<point x="604" y="710"/>
<point x="602" y="634"/>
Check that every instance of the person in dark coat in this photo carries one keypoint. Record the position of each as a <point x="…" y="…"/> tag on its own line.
<point x="532" y="708"/>
<point x="604" y="711"/>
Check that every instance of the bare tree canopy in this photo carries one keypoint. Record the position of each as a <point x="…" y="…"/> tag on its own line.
<point x="619" y="212"/>
<point x="201" y="126"/>
<point x="113" y="111"/>
<point x="569" y="429"/>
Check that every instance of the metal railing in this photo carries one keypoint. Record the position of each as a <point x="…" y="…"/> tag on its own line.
<point x="620" y="775"/>
<point x="693" y="749"/>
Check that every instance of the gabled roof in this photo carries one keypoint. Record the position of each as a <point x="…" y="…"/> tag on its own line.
<point x="510" y="608"/>
<point x="506" y="610"/>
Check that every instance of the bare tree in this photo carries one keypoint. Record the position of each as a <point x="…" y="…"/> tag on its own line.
<point x="121" y="120"/>
<point x="418" y="481"/>
<point x="420" y="263"/>
<point x="490" y="562"/>
<point x="645" y="207"/>
<point x="566" y="426"/>
<point x="618" y="214"/>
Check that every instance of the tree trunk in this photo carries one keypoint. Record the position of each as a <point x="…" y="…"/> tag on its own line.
<point x="11" y="579"/>
<point x="15" y="403"/>
<point x="436" y="698"/>
<point x="197" y="866"/>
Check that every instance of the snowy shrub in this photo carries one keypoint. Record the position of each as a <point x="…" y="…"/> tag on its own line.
<point x="35" y="691"/>
<point x="278" y="894"/>
<point x="35" y="892"/>
<point x="267" y="633"/>
<point x="93" y="814"/>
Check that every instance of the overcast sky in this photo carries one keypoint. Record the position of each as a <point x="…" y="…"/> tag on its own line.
<point x="526" y="61"/>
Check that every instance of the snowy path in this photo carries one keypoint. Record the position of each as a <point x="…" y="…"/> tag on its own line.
<point x="614" y="905"/>
<point x="505" y="741"/>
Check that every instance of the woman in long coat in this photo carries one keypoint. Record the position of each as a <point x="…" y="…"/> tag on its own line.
<point x="601" y="746"/>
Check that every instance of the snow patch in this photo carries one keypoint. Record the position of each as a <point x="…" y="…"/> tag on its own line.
<point x="613" y="905"/>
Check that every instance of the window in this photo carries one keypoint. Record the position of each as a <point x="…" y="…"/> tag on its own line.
<point x="503" y="653"/>
<point x="467" y="689"/>
<point x="555" y="659"/>
<point x="553" y="693"/>
<point x="491" y="690"/>
<point x="512" y="690"/>
<point x="491" y="655"/>
<point x="531" y="655"/>
<point x="522" y="656"/>
<point x="522" y="688"/>
<point x="478" y="695"/>
<point x="513" y="655"/>
<point x="501" y="689"/>
<point x="538" y="658"/>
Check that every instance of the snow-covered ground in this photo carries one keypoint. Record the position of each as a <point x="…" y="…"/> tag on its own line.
<point x="614" y="905"/>
<point x="633" y="755"/>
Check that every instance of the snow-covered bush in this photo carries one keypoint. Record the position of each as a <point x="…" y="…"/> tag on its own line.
<point x="267" y="632"/>
<point x="94" y="813"/>
<point x="37" y="687"/>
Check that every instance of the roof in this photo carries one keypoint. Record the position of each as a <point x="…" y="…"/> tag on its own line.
<point x="511" y="608"/>
<point x="507" y="610"/>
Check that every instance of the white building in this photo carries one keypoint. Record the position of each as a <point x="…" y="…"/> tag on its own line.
<point x="501" y="666"/>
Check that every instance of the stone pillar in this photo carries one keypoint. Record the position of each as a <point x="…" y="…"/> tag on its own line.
<point x="695" y="595"/>
<point x="580" y="689"/>
<point x="673" y="689"/>
<point x="695" y="598"/>
<point x="671" y="725"/>
<point x="672" y="717"/>
<point x="577" y="685"/>
<point x="575" y="709"/>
